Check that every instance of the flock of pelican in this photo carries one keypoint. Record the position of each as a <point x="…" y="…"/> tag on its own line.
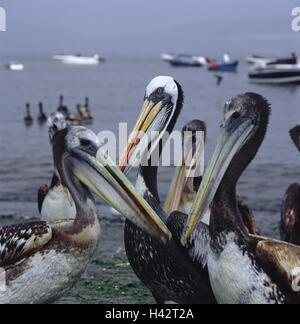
<point x="200" y="246"/>
<point x="84" y="115"/>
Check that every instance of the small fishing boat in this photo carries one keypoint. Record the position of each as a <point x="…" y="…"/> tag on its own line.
<point x="79" y="59"/>
<point x="275" y="74"/>
<point x="255" y="59"/>
<point x="185" y="59"/>
<point x="15" y="66"/>
<point x="259" y="60"/>
<point x="224" y="67"/>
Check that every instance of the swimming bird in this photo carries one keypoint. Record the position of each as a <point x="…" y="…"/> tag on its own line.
<point x="84" y="111"/>
<point x="42" y="261"/>
<point x="55" y="202"/>
<point x="166" y="270"/>
<point x="290" y="212"/>
<point x="75" y="119"/>
<point x="28" y="119"/>
<point x="61" y="108"/>
<point x="243" y="268"/>
<point x="42" y="118"/>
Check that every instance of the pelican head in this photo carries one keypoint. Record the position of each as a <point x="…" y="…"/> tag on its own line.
<point x="163" y="102"/>
<point x="83" y="166"/>
<point x="56" y="122"/>
<point x="242" y="130"/>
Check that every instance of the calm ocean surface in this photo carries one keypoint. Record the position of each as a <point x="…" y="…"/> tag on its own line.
<point x="116" y="91"/>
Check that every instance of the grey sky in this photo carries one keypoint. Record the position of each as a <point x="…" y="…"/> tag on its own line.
<point x="54" y="24"/>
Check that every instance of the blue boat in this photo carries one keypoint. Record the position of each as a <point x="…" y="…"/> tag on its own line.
<point x="185" y="60"/>
<point x="226" y="67"/>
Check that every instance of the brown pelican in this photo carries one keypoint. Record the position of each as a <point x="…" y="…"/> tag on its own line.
<point x="243" y="268"/>
<point x="28" y="119"/>
<point x="42" y="261"/>
<point x="55" y="202"/>
<point x="182" y="200"/>
<point x="84" y="111"/>
<point x="290" y="214"/>
<point x="167" y="270"/>
<point x="61" y="108"/>
<point x="42" y="118"/>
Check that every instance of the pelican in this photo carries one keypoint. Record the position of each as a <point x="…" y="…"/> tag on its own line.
<point x="28" y="119"/>
<point x="186" y="197"/>
<point x="290" y="214"/>
<point x="191" y="181"/>
<point x="168" y="271"/>
<point x="75" y="119"/>
<point x="42" y="118"/>
<point x="55" y="202"/>
<point x="43" y="260"/>
<point x="84" y="111"/>
<point x="61" y="108"/>
<point x="243" y="268"/>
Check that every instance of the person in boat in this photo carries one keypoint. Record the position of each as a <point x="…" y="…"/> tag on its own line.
<point x="226" y="58"/>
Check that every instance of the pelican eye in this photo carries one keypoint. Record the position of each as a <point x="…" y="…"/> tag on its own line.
<point x="160" y="90"/>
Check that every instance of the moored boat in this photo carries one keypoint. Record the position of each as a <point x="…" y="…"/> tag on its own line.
<point x="185" y="59"/>
<point x="275" y="74"/>
<point x="78" y="59"/>
<point x="15" y="66"/>
<point x="224" y="67"/>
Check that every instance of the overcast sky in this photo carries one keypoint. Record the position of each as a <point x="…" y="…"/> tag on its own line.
<point x="54" y="24"/>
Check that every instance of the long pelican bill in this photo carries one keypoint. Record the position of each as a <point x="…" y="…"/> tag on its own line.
<point x="99" y="173"/>
<point x="233" y="135"/>
<point x="149" y="113"/>
<point x="173" y="199"/>
<point x="192" y="166"/>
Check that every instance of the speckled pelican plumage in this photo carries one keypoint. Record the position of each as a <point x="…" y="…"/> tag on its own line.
<point x="243" y="268"/>
<point x="54" y="202"/>
<point x="42" y="261"/>
<point x="167" y="270"/>
<point x="290" y="212"/>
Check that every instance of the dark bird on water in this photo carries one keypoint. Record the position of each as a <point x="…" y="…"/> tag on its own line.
<point x="28" y="119"/>
<point x="290" y="212"/>
<point x="243" y="268"/>
<point x="42" y="118"/>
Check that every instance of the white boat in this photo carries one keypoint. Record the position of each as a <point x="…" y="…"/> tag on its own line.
<point x="15" y="66"/>
<point x="275" y="73"/>
<point x="81" y="60"/>
<point x="255" y="59"/>
<point x="60" y="57"/>
<point x="200" y="59"/>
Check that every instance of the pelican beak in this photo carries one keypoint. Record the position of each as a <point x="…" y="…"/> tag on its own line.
<point x="233" y="135"/>
<point x="99" y="173"/>
<point x="192" y="167"/>
<point x="145" y="125"/>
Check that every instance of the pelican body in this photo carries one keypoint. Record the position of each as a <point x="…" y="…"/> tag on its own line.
<point x="41" y="260"/>
<point x="290" y="212"/>
<point x="243" y="268"/>
<point x="167" y="270"/>
<point x="54" y="202"/>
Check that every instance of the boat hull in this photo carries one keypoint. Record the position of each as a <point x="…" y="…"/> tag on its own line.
<point x="231" y="67"/>
<point x="276" y="76"/>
